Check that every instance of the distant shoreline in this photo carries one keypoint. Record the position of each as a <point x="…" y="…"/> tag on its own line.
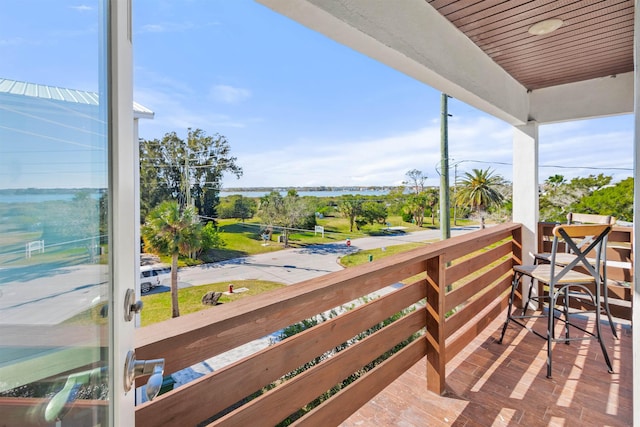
<point x="35" y="195"/>
<point x="314" y="188"/>
<point x="32" y="190"/>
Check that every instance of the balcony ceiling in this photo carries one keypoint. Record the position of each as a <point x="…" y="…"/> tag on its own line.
<point x="480" y="51"/>
<point x="595" y="39"/>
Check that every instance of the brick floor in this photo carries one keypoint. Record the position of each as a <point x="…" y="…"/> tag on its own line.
<point x="492" y="384"/>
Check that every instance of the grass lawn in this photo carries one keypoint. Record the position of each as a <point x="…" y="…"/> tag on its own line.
<point x="243" y="238"/>
<point x="362" y="257"/>
<point x="157" y="307"/>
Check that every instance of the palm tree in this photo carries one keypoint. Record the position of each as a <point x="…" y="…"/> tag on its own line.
<point x="169" y="230"/>
<point x="433" y="198"/>
<point x="479" y="190"/>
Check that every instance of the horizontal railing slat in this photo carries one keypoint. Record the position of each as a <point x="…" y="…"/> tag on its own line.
<point x="463" y="293"/>
<point x="25" y="411"/>
<point x="195" y="337"/>
<point x="347" y="401"/>
<point x="461" y="339"/>
<point x="191" y="404"/>
<point x="469" y="311"/>
<point x="476" y="241"/>
<point x="276" y="404"/>
<point x="472" y="265"/>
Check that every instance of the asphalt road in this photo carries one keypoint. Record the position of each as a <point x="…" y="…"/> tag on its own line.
<point x="290" y="266"/>
<point x="39" y="295"/>
<point x="35" y="295"/>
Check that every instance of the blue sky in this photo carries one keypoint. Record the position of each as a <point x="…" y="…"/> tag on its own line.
<point x="297" y="108"/>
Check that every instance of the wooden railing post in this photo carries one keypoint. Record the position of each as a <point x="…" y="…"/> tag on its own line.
<point x="436" y="358"/>
<point x="516" y="250"/>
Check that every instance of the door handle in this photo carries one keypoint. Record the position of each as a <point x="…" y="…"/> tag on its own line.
<point x="61" y="402"/>
<point x="139" y="368"/>
<point x="131" y="306"/>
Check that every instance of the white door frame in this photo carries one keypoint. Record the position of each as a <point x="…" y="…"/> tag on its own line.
<point x="122" y="184"/>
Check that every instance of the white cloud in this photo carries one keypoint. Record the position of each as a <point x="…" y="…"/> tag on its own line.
<point x="172" y="101"/>
<point x="229" y="94"/>
<point x="14" y="41"/>
<point x="382" y="161"/>
<point x="82" y="8"/>
<point x="474" y="143"/>
<point x="173" y="27"/>
<point x="167" y="27"/>
<point x="584" y="149"/>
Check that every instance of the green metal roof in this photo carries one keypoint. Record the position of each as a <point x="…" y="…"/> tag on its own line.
<point x="62" y="94"/>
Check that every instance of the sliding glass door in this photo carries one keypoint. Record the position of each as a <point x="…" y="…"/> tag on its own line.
<point x="56" y="251"/>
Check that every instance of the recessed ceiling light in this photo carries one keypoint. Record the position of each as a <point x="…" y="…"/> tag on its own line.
<point x="545" y="27"/>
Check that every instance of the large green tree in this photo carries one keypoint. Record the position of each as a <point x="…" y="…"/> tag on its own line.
<point x="171" y="230"/>
<point x="350" y="207"/>
<point x="415" y="205"/>
<point x="615" y="200"/>
<point x="559" y="197"/>
<point x="290" y="211"/>
<point x="372" y="212"/>
<point x="237" y="206"/>
<point x="479" y="189"/>
<point x="185" y="169"/>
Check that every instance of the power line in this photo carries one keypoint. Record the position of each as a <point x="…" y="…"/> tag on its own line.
<point x="555" y="166"/>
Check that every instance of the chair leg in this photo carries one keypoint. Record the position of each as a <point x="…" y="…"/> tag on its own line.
<point x="603" y="347"/>
<point x="599" y="329"/>
<point x="605" y="293"/>
<point x="550" y="333"/>
<point x="514" y="284"/>
<point x="566" y="315"/>
<point x="526" y="305"/>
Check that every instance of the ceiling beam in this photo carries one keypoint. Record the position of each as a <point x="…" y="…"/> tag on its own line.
<point x="606" y="96"/>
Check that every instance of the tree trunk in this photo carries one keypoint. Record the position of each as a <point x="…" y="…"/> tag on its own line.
<point x="175" y="310"/>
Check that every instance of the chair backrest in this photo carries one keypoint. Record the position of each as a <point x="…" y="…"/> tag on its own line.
<point x="581" y="218"/>
<point x="581" y="239"/>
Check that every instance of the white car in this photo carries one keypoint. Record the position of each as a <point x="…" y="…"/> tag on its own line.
<point x="150" y="277"/>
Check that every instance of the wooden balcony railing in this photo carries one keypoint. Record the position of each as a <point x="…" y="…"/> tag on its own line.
<point x="464" y="281"/>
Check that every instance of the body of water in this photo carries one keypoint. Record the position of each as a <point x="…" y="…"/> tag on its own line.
<point x="336" y="193"/>
<point x="47" y="197"/>
<point x="38" y="198"/>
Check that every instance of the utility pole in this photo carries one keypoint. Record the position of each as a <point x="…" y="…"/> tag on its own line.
<point x="187" y="183"/>
<point x="455" y="186"/>
<point x="445" y="225"/>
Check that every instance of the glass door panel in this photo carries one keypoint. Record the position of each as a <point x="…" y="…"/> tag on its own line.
<point x="54" y="265"/>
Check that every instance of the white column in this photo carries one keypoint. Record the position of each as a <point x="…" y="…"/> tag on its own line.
<point x="636" y="221"/>
<point x="525" y="186"/>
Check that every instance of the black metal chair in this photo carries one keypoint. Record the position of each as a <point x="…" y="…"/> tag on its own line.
<point x="566" y="257"/>
<point x="565" y="283"/>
